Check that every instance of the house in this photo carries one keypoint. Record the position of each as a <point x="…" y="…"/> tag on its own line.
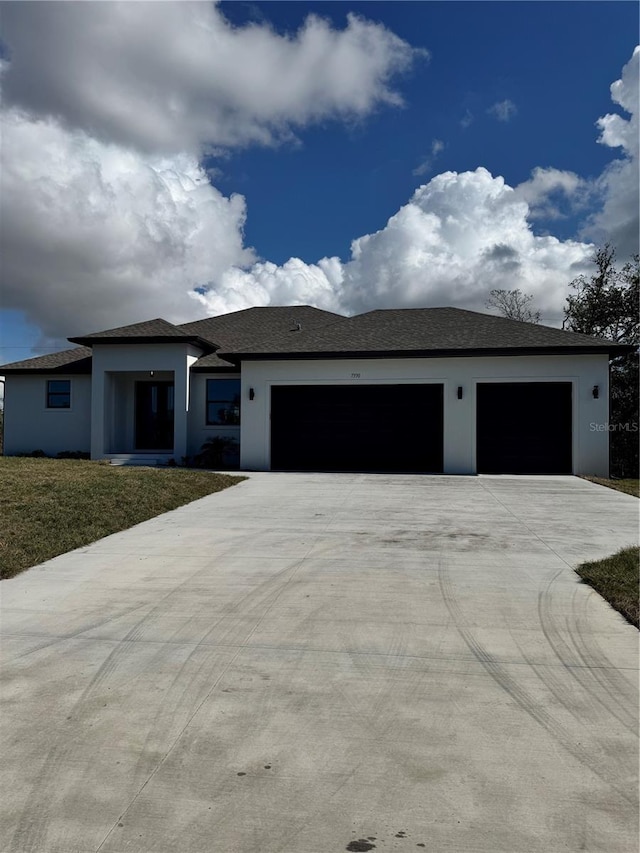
<point x="413" y="390"/>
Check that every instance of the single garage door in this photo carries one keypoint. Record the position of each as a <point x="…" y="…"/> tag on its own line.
<point x="356" y="427"/>
<point x="524" y="428"/>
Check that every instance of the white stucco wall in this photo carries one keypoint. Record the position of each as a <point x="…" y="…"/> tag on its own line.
<point x="199" y="431"/>
<point x="110" y="361"/>
<point x="590" y="446"/>
<point x="29" y="425"/>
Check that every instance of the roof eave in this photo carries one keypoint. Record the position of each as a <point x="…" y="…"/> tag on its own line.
<point x="613" y="351"/>
<point x="74" y="368"/>
<point x="214" y="368"/>
<point x="147" y="339"/>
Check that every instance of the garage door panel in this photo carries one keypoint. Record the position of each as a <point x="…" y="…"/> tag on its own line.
<point x="524" y="428"/>
<point x="356" y="428"/>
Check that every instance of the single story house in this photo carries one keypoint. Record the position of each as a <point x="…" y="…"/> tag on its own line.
<point x="413" y="390"/>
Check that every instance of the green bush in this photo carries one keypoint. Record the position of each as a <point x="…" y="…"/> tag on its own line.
<point x="218" y="452"/>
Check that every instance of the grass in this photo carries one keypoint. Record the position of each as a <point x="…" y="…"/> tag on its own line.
<point x="629" y="487"/>
<point x="616" y="579"/>
<point x="51" y="506"/>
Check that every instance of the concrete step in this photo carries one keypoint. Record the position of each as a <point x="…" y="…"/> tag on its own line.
<point x="152" y="460"/>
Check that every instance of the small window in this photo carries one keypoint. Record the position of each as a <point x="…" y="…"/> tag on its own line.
<point x="223" y="402"/>
<point x="59" y="394"/>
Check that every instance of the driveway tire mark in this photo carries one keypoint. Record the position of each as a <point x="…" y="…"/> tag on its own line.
<point x="383" y="695"/>
<point x="52" y="641"/>
<point x="290" y="571"/>
<point x="611" y="677"/>
<point x="580" y="666"/>
<point x="32" y="828"/>
<point x="181" y="696"/>
<point x="528" y="704"/>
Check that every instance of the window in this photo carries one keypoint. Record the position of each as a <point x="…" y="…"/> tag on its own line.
<point x="59" y="394"/>
<point x="223" y="402"/>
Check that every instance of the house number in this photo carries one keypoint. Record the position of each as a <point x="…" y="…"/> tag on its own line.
<point x="355" y="376"/>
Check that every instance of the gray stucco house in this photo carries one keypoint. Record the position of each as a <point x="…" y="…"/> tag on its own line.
<point x="424" y="390"/>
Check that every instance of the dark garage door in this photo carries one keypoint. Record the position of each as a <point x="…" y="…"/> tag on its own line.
<point x="356" y="427"/>
<point x="524" y="428"/>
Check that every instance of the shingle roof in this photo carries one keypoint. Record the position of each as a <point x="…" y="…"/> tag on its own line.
<point x="156" y="330"/>
<point x="231" y="331"/>
<point x="423" y="331"/>
<point x="238" y="329"/>
<point x="303" y="331"/>
<point x="77" y="360"/>
<point x="256" y="324"/>
<point x="246" y="328"/>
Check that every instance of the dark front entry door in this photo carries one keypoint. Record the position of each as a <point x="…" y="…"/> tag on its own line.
<point x="524" y="428"/>
<point x="154" y="415"/>
<point x="356" y="427"/>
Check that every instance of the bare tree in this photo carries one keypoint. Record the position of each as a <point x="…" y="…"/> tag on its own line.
<point x="513" y="304"/>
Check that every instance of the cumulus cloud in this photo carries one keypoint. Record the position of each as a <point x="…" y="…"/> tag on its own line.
<point x="107" y="214"/>
<point x="547" y="190"/>
<point x="458" y="237"/>
<point x="109" y="217"/>
<point x="462" y="235"/>
<point x="617" y="221"/>
<point x="503" y="110"/>
<point x="265" y="283"/>
<point x="167" y="77"/>
<point x="94" y="235"/>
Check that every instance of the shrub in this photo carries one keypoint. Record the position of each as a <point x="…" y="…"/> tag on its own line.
<point x="218" y="452"/>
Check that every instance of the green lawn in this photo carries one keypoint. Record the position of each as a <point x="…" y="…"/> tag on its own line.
<point x="51" y="506"/>
<point x="616" y="579"/>
<point x="630" y="487"/>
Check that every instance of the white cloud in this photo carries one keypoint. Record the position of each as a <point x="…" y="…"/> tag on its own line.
<point x="108" y="217"/>
<point x="617" y="222"/>
<point x="462" y="235"/>
<point x="95" y="235"/>
<point x="547" y="189"/>
<point x="467" y="119"/>
<point x="265" y="283"/>
<point x="426" y="166"/>
<point x="458" y="237"/>
<point x="503" y="110"/>
<point x="168" y="77"/>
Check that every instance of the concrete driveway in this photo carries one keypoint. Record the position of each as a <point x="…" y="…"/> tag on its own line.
<point x="321" y="663"/>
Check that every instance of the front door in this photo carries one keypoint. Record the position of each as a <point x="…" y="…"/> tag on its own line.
<point x="154" y="416"/>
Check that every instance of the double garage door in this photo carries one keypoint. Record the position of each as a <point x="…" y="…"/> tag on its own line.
<point x="521" y="428"/>
<point x="356" y="427"/>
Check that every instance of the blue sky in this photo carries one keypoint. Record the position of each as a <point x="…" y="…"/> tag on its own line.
<point x="107" y="220"/>
<point x="550" y="59"/>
